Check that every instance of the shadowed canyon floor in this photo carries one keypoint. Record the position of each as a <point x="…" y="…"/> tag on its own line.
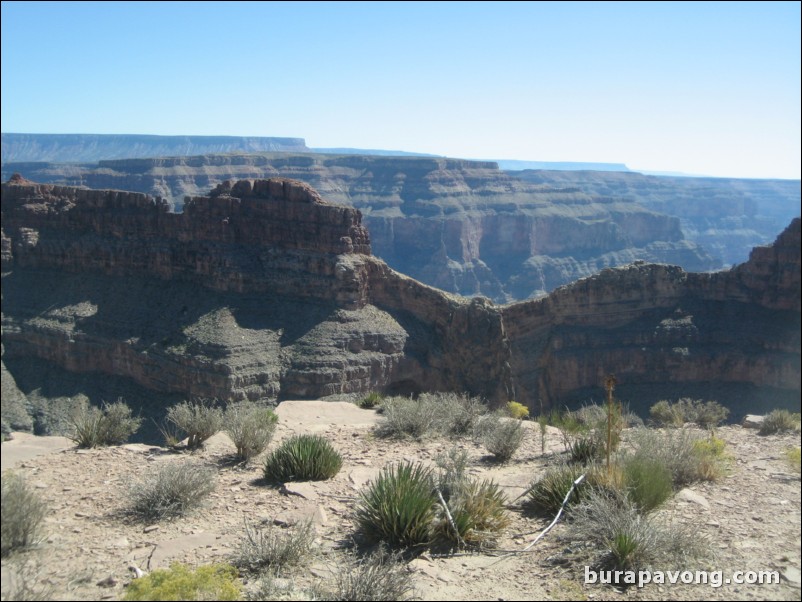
<point x="750" y="517"/>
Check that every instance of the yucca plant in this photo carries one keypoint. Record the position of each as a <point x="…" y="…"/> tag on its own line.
<point x="303" y="458"/>
<point x="546" y="495"/>
<point x="398" y="507"/>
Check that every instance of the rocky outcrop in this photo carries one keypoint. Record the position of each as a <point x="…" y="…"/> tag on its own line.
<point x="262" y="290"/>
<point x="463" y="226"/>
<point x="225" y="241"/>
<point x="94" y="147"/>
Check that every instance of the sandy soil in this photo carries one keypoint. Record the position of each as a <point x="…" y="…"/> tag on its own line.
<point x="751" y="517"/>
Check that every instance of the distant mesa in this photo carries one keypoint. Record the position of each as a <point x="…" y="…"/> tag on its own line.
<point x="82" y="148"/>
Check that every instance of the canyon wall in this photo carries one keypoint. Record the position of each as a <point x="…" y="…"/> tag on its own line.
<point x="263" y="290"/>
<point x="463" y="226"/>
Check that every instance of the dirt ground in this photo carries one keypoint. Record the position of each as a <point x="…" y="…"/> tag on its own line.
<point x="751" y="517"/>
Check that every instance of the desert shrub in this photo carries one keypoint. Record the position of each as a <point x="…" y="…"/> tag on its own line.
<point x="23" y="513"/>
<point x="398" y="507"/>
<point x="648" y="481"/>
<point x="457" y="414"/>
<point x="369" y="401"/>
<point x="179" y="582"/>
<point x="794" y="458"/>
<point x="452" y="469"/>
<point x="584" y="431"/>
<point x="712" y="458"/>
<point x="448" y="414"/>
<point x="707" y="414"/>
<point x="251" y="428"/>
<point x="683" y="452"/>
<point x="197" y="420"/>
<point x="779" y="421"/>
<point x="478" y="511"/>
<point x="379" y="576"/>
<point x="272" y="547"/>
<point x="303" y="458"/>
<point x="620" y="536"/>
<point x="171" y="489"/>
<point x="500" y="435"/>
<point x="665" y="414"/>
<point x="517" y="410"/>
<point x="93" y="427"/>
<point x="546" y="494"/>
<point x="404" y="416"/>
<point x="710" y="414"/>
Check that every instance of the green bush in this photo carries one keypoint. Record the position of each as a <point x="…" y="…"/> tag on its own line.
<point x="710" y="414"/>
<point x="273" y="548"/>
<point x="398" y="507"/>
<point x="380" y="576"/>
<point x="369" y="401"/>
<point x="251" y="428"/>
<point x="779" y="421"/>
<point x="500" y="435"/>
<point x="23" y="513"/>
<point x="197" y="420"/>
<point x="93" y="427"/>
<point x="517" y="410"/>
<point x="648" y="481"/>
<point x="452" y="467"/>
<point x="171" y="489"/>
<point x="209" y="582"/>
<point x="303" y="458"/>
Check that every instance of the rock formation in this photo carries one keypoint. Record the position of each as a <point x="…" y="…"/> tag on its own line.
<point x="463" y="226"/>
<point x="262" y="290"/>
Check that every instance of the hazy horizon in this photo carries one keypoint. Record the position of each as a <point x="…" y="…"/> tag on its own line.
<point x="699" y="88"/>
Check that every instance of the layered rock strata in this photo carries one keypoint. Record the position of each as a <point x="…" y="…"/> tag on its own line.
<point x="463" y="226"/>
<point x="262" y="290"/>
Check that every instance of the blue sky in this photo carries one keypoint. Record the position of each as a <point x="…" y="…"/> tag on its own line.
<point x="706" y="88"/>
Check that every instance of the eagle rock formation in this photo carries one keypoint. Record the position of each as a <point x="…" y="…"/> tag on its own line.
<point x="262" y="290"/>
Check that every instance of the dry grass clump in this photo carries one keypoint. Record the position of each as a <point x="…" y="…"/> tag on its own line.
<point x="617" y="534"/>
<point x="379" y="576"/>
<point x="23" y="513"/>
<point x="273" y="548"/>
<point x="170" y="490"/>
